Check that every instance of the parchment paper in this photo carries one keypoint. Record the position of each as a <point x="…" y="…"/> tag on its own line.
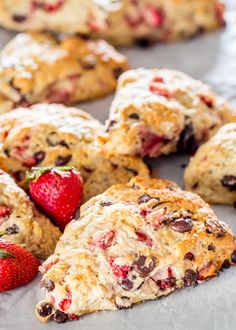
<point x="210" y="306"/>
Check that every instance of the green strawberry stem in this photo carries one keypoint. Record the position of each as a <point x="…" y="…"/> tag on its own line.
<point x="2" y="233"/>
<point x="36" y="172"/>
<point x="6" y="254"/>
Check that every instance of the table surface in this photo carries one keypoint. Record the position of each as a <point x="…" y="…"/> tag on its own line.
<point x="210" y="58"/>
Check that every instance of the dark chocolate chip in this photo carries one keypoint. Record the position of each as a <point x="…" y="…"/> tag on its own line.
<point x="134" y="116"/>
<point x="195" y="185"/>
<point x="226" y="264"/>
<point x="59" y="317"/>
<point x="187" y="142"/>
<point x="88" y="170"/>
<point x="182" y="225"/>
<point x="126" y="284"/>
<point x="211" y="247"/>
<point x="7" y="152"/>
<point x="215" y="228"/>
<point x="54" y="140"/>
<point x="117" y="72"/>
<point x="88" y="62"/>
<point x="229" y="181"/>
<point x="104" y="204"/>
<point x="144" y="42"/>
<point x="47" y="284"/>
<point x="189" y="256"/>
<point x="14" y="229"/>
<point x="110" y="124"/>
<point x="18" y="175"/>
<point x="39" y="157"/>
<point x="61" y="161"/>
<point x="190" y="277"/>
<point x="233" y="257"/>
<point x="19" y="18"/>
<point x="44" y="310"/>
<point x="131" y="170"/>
<point x="144" y="199"/>
<point x="142" y="268"/>
<point x="135" y="187"/>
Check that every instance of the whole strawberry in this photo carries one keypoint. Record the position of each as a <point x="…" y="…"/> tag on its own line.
<point x="57" y="191"/>
<point x="17" y="266"/>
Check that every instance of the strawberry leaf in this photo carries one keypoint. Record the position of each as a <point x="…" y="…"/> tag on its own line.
<point x="6" y="254"/>
<point x="38" y="171"/>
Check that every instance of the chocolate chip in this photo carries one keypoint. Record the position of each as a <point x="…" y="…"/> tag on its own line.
<point x="190" y="277"/>
<point x="215" y="228"/>
<point x="144" y="199"/>
<point x="229" y="181"/>
<point x="88" y="62"/>
<point x="18" y="175"/>
<point x="44" y="310"/>
<point x="39" y="157"/>
<point x="7" y="152"/>
<point x="195" y="185"/>
<point x="19" y="18"/>
<point x="53" y="140"/>
<point x="182" y="225"/>
<point x="233" y="257"/>
<point x="131" y="170"/>
<point x="47" y="284"/>
<point x="14" y="229"/>
<point x="126" y="284"/>
<point x="142" y="268"/>
<point x="189" y="256"/>
<point x="226" y="264"/>
<point x="187" y="142"/>
<point x="60" y="317"/>
<point x="104" y="204"/>
<point x="110" y="124"/>
<point x="135" y="187"/>
<point x="61" y="161"/>
<point x="211" y="247"/>
<point x="117" y="72"/>
<point x="134" y="116"/>
<point x="144" y="42"/>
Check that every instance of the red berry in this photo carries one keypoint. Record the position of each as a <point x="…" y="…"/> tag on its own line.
<point x="5" y="213"/>
<point x="58" y="192"/>
<point x="17" y="266"/>
<point x="103" y="240"/>
<point x="154" y="88"/>
<point x="120" y="271"/>
<point x="207" y="100"/>
<point x="153" y="16"/>
<point x="143" y="237"/>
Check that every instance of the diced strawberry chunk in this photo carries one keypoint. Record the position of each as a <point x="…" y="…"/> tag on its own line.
<point x="73" y="317"/>
<point x="49" y="266"/>
<point x="120" y="271"/>
<point x="144" y="213"/>
<point x="134" y="20"/>
<point x="153" y="16"/>
<point x="48" y="7"/>
<point x="151" y="144"/>
<point x="206" y="272"/>
<point x="65" y="303"/>
<point x="143" y="237"/>
<point x="103" y="239"/>
<point x="164" y="283"/>
<point x="154" y="88"/>
<point x="59" y="96"/>
<point x="5" y="213"/>
<point x="220" y="13"/>
<point x="158" y="79"/>
<point x="207" y="100"/>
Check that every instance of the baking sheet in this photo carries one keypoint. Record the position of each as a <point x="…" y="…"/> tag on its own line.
<point x="210" y="306"/>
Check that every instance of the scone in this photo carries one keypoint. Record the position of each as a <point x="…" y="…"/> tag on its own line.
<point x="162" y="111"/>
<point x="84" y="16"/>
<point x="211" y="172"/>
<point x="144" y="22"/>
<point x="44" y="135"/>
<point x="22" y="222"/>
<point x="40" y="67"/>
<point x="135" y="242"/>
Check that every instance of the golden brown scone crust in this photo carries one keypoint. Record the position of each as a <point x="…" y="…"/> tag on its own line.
<point x="68" y="16"/>
<point x="211" y="172"/>
<point x="22" y="222"/>
<point x="52" y="134"/>
<point x="161" y="111"/>
<point x="40" y="67"/>
<point x="144" y="22"/>
<point x="135" y="242"/>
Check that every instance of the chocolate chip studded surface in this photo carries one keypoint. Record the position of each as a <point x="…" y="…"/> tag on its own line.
<point x="211" y="172"/>
<point x="137" y="241"/>
<point x="22" y="222"/>
<point x="162" y="111"/>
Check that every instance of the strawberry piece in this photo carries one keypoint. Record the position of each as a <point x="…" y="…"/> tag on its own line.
<point x="134" y="21"/>
<point x="207" y="272"/>
<point x="154" y="88"/>
<point x="65" y="303"/>
<point x="207" y="100"/>
<point x="5" y="213"/>
<point x="17" y="266"/>
<point x="49" y="8"/>
<point x="103" y="240"/>
<point x="165" y="283"/>
<point x="143" y="237"/>
<point x="73" y="317"/>
<point x="57" y="191"/>
<point x="144" y="213"/>
<point x="220" y="13"/>
<point x="120" y="271"/>
<point x="158" y="79"/>
<point x="153" y="16"/>
<point x="59" y="96"/>
<point x="151" y="144"/>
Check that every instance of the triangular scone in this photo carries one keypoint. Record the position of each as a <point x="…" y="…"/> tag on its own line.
<point x="45" y="135"/>
<point x="211" y="172"/>
<point x="145" y="22"/>
<point x="73" y="16"/>
<point x="134" y="242"/>
<point x="22" y="222"/>
<point x="41" y="67"/>
<point x="162" y="111"/>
